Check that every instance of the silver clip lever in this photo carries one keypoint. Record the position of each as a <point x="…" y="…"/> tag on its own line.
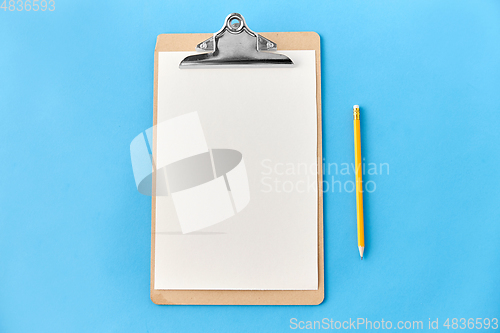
<point x="236" y="45"/>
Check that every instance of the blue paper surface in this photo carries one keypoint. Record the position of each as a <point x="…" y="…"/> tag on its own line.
<point x="76" y="86"/>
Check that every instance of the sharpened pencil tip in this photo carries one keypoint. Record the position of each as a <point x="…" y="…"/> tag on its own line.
<point x="361" y="251"/>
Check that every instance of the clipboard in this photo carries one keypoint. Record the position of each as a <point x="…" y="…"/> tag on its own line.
<point x="266" y="43"/>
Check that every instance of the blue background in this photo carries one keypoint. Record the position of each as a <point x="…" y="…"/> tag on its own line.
<point x="76" y="86"/>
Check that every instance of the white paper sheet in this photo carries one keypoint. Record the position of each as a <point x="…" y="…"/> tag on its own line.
<point x="268" y="238"/>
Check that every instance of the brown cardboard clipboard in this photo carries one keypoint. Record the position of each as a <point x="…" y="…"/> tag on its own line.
<point x="285" y="41"/>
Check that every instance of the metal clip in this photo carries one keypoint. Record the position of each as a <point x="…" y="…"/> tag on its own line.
<point x="236" y="45"/>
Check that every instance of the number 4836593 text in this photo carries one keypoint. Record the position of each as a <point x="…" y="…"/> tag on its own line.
<point x="28" y="5"/>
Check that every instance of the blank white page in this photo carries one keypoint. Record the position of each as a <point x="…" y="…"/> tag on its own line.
<point x="253" y="226"/>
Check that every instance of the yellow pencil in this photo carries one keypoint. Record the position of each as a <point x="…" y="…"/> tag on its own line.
<point x="359" y="181"/>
